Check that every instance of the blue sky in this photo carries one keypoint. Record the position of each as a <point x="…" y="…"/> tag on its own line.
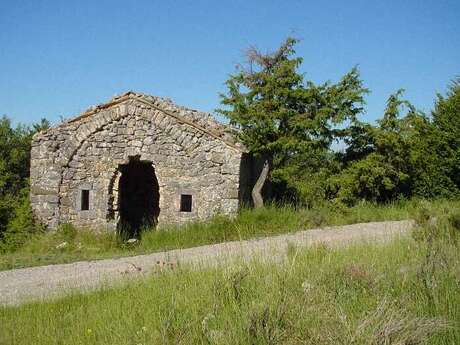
<point x="59" y="57"/>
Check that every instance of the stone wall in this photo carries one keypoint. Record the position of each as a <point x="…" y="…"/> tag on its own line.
<point x="190" y="152"/>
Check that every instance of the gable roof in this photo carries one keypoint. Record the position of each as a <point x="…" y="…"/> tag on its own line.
<point x="203" y="122"/>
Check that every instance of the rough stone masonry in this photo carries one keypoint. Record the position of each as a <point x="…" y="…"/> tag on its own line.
<point x="136" y="157"/>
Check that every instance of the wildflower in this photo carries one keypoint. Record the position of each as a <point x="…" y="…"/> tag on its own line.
<point x="216" y="336"/>
<point x="307" y="286"/>
<point x="62" y="245"/>
<point x="205" y="321"/>
<point x="142" y="330"/>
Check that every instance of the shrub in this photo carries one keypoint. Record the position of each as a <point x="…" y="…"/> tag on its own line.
<point x="68" y="232"/>
<point x="21" y="227"/>
<point x="389" y="324"/>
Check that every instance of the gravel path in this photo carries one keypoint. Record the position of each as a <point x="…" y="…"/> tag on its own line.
<point x="28" y="284"/>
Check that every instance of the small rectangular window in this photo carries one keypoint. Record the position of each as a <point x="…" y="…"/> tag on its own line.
<point x="85" y="200"/>
<point x="186" y="203"/>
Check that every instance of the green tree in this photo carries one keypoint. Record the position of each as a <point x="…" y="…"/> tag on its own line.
<point x="377" y="159"/>
<point x="284" y="119"/>
<point x="446" y="119"/>
<point x="15" y="145"/>
<point x="430" y="177"/>
<point x="403" y="156"/>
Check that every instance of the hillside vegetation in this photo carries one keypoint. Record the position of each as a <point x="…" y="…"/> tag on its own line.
<point x="401" y="293"/>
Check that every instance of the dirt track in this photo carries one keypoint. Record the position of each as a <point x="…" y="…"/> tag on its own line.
<point x="36" y="283"/>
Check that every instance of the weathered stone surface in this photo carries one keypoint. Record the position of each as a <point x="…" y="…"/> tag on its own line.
<point x="191" y="154"/>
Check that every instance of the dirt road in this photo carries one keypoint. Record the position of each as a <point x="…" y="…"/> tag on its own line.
<point x="36" y="283"/>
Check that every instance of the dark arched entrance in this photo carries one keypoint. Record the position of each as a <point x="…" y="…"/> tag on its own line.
<point x="139" y="197"/>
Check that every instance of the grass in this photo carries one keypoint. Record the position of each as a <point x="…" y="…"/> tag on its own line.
<point x="402" y="293"/>
<point x="44" y="249"/>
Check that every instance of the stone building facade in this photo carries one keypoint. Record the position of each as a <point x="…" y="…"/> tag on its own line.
<point x="133" y="159"/>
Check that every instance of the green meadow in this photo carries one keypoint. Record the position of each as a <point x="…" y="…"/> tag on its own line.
<point x="404" y="293"/>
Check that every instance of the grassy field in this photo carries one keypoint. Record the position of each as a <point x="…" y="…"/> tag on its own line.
<point x="83" y="244"/>
<point x="402" y="293"/>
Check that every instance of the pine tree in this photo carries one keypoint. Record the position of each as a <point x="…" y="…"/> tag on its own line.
<point x="283" y="118"/>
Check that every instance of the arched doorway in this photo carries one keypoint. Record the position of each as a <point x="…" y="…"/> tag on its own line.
<point x="138" y="197"/>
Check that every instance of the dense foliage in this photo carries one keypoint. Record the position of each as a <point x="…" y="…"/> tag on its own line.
<point x="15" y="215"/>
<point x="288" y="121"/>
<point x="294" y="124"/>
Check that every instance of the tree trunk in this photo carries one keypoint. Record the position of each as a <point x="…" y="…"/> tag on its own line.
<point x="256" y="193"/>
